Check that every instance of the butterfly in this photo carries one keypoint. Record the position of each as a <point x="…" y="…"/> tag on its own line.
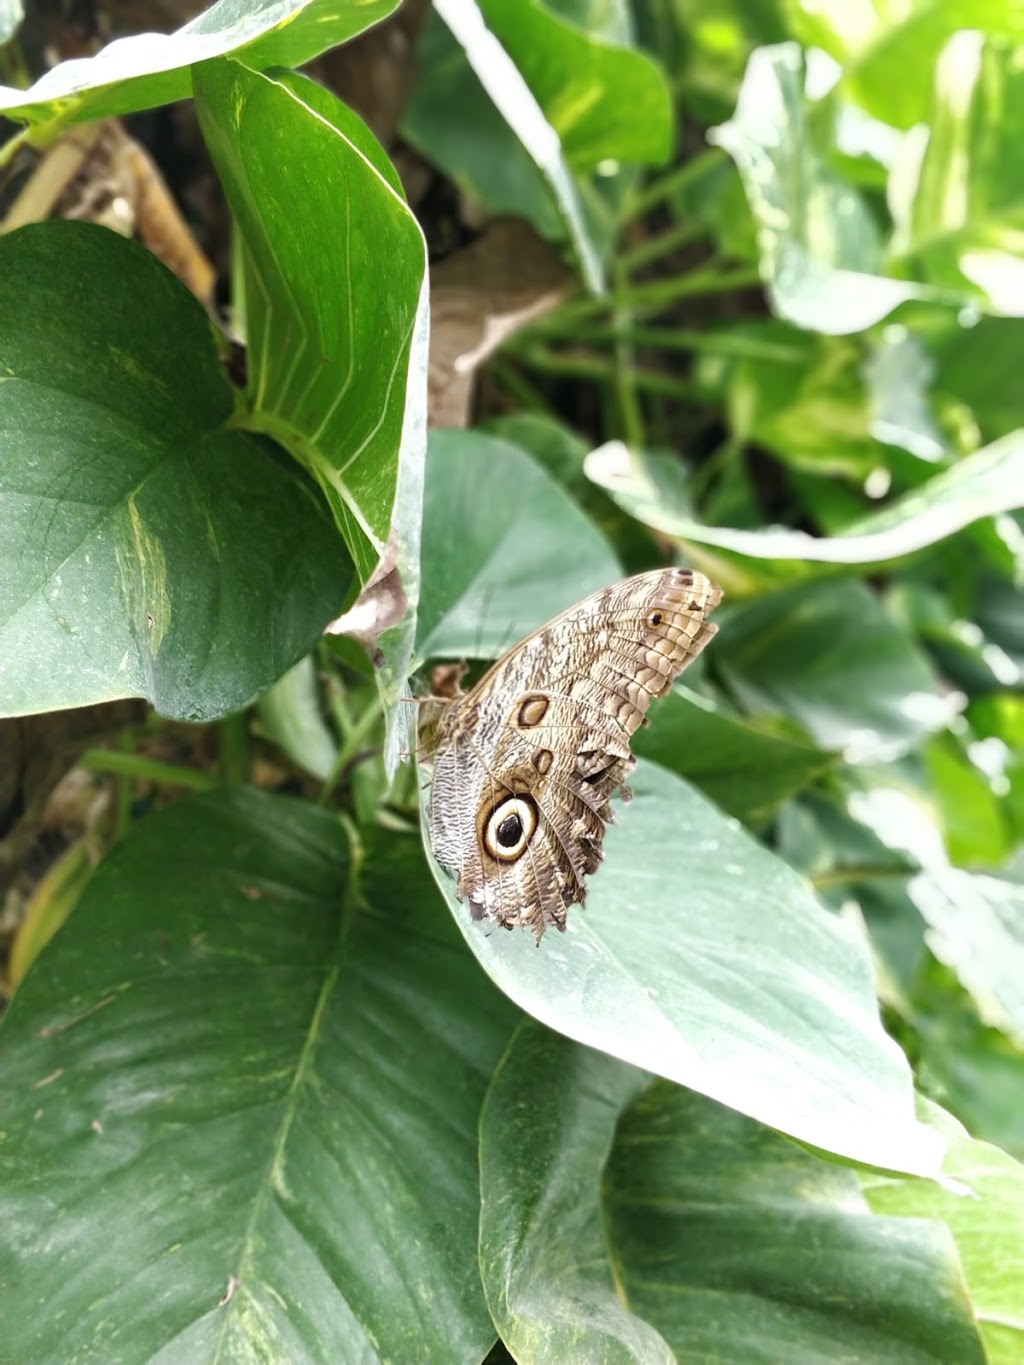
<point x="526" y="762"/>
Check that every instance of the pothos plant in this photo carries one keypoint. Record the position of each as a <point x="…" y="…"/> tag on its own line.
<point x="269" y="1094"/>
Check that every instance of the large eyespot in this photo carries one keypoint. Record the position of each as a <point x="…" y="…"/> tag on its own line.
<point x="510" y="828"/>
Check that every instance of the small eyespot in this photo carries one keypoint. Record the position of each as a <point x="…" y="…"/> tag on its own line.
<point x="532" y="710"/>
<point x="542" y="760"/>
<point x="509" y="828"/>
<point x="654" y="618"/>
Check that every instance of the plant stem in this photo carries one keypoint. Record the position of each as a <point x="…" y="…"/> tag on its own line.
<point x="864" y="872"/>
<point x="128" y="766"/>
<point x="657" y="191"/>
<point x="353" y="739"/>
<point x="662" y="245"/>
<point x="600" y="370"/>
<point x="630" y="415"/>
<point x="233" y="737"/>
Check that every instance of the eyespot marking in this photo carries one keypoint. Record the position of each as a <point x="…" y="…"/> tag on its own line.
<point x="532" y="710"/>
<point x="654" y="619"/>
<point x="542" y="761"/>
<point x="509" y="828"/>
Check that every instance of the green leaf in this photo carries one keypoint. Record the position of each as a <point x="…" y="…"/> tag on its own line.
<point x="147" y="69"/>
<point x="704" y="958"/>
<point x="149" y="550"/>
<point x="453" y="123"/>
<point x="982" y="1203"/>
<point x="888" y="52"/>
<point x="978" y="367"/>
<point x="583" y="82"/>
<point x="747" y="770"/>
<point x="515" y="103"/>
<point x="975" y="1071"/>
<point x="975" y="831"/>
<point x="337" y="311"/>
<point x="976" y="926"/>
<point x="290" y="716"/>
<point x="982" y="485"/>
<point x="563" y="453"/>
<point x="959" y="205"/>
<point x="828" y="655"/>
<point x="240" y="1105"/>
<point x="547" y="1269"/>
<point x="814" y="414"/>
<point x="738" y="1246"/>
<point x="821" y="252"/>
<point x="504" y="548"/>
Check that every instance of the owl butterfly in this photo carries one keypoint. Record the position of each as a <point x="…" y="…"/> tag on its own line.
<point x="526" y="762"/>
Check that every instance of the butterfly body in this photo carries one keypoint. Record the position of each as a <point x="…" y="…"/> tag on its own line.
<point x="525" y="763"/>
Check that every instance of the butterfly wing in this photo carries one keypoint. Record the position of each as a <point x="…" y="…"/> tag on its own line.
<point x="526" y="763"/>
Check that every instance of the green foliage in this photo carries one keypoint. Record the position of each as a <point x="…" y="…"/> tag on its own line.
<point x="269" y="1094"/>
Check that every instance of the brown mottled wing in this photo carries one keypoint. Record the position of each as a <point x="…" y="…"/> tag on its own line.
<point x="526" y="763"/>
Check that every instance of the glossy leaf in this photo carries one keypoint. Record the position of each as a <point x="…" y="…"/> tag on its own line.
<point x="515" y="103"/>
<point x="147" y="69"/>
<point x="829" y="656"/>
<point x="736" y="1245"/>
<point x="504" y="548"/>
<point x="290" y="715"/>
<point x="959" y="205"/>
<point x="975" y="831"/>
<point x="888" y="52"/>
<point x="975" y="1071"/>
<point x="240" y="1103"/>
<point x="336" y="309"/>
<point x="747" y="770"/>
<point x="703" y="957"/>
<point x="982" y="1203"/>
<point x="821" y="251"/>
<point x="977" y="927"/>
<point x="982" y="485"/>
<point x="548" y="1270"/>
<point x="150" y="550"/>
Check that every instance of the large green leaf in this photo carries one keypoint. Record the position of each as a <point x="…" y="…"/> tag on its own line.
<point x="724" y="1237"/>
<point x="147" y="69"/>
<point x="959" y="206"/>
<point x="888" y="52"/>
<point x="746" y="769"/>
<point x="977" y="1072"/>
<point x="976" y="926"/>
<point x="515" y="103"/>
<point x="828" y="655"/>
<point x="504" y="548"/>
<point x="240" y="1103"/>
<point x="981" y="485"/>
<point x="703" y="957"/>
<point x="982" y="1202"/>
<point x="737" y="1246"/>
<point x="336" y="309"/>
<point x="547" y="1269"/>
<point x="821" y="251"/>
<point x="149" y="550"/>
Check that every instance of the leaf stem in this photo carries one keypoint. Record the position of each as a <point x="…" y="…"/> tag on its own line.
<point x="657" y="191"/>
<point x="132" y="766"/>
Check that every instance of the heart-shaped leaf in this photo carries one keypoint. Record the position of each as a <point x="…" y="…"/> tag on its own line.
<point x="240" y="1101"/>
<point x="703" y="957"/>
<point x="148" y="69"/>
<point x="149" y="549"/>
<point x="504" y="548"/>
<point x="335" y="268"/>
